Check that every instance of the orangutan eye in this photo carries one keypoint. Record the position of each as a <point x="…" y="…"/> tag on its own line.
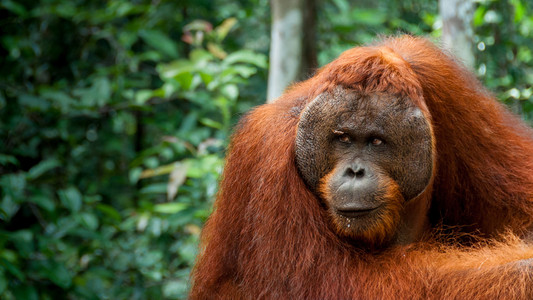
<point x="342" y="136"/>
<point x="376" y="141"/>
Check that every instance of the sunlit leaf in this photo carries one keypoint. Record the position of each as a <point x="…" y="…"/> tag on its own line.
<point x="173" y="289"/>
<point x="519" y="10"/>
<point x="211" y="123"/>
<point x="223" y="29"/>
<point x="142" y="96"/>
<point x="231" y="91"/>
<point x="170" y="208"/>
<point x="246" y="56"/>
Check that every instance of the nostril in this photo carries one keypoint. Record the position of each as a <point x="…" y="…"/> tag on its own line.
<point x="360" y="173"/>
<point x="350" y="173"/>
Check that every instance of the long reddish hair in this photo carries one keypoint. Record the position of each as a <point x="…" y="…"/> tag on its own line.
<point x="269" y="236"/>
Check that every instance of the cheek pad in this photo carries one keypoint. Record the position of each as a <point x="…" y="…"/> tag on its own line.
<point x="410" y="162"/>
<point x="313" y="145"/>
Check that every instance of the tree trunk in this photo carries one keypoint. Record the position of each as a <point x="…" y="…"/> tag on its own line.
<point x="293" y="30"/>
<point x="457" y="29"/>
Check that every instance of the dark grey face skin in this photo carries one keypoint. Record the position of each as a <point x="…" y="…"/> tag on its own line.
<point x="364" y="139"/>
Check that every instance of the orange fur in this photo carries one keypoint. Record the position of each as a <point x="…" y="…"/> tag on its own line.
<point x="376" y="231"/>
<point x="269" y="237"/>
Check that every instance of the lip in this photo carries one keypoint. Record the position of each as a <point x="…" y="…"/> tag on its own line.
<point x="356" y="213"/>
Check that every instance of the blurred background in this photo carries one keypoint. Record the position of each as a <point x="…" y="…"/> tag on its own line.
<point x="115" y="116"/>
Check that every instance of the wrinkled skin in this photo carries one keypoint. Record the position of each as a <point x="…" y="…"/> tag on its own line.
<point x="366" y="156"/>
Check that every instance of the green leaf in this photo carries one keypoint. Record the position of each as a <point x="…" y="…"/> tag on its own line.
<point x="8" y="159"/>
<point x="59" y="99"/>
<point x="246" y="56"/>
<point x="211" y="123"/>
<point x="66" y="9"/>
<point x="109" y="211"/>
<point x="58" y="274"/>
<point x="44" y="202"/>
<point x="208" y="164"/>
<point x="478" y="15"/>
<point x="142" y="96"/>
<point x="342" y="5"/>
<point x="188" y="251"/>
<point x="14" y="185"/>
<point x="370" y="17"/>
<point x="9" y="207"/>
<point x="206" y="77"/>
<point x="23" y="241"/>
<point x="231" y="91"/>
<point x="159" y="41"/>
<point x="42" y="168"/>
<point x="99" y="94"/>
<point x="135" y="175"/>
<point x="26" y="292"/>
<point x="243" y="71"/>
<point x="11" y="268"/>
<point x="88" y="220"/>
<point x="63" y="226"/>
<point x="71" y="198"/>
<point x="200" y="56"/>
<point x="185" y="80"/>
<point x="3" y="282"/>
<point x="519" y="10"/>
<point x="170" y="208"/>
<point x="175" y="68"/>
<point x="174" y="289"/>
<point x="15" y="8"/>
<point x="156" y="188"/>
<point x="33" y="102"/>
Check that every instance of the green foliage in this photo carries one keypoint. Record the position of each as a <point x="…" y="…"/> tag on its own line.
<point x="354" y="23"/>
<point x="113" y="134"/>
<point x="503" y="33"/>
<point x="114" y="118"/>
<point x="505" y="59"/>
